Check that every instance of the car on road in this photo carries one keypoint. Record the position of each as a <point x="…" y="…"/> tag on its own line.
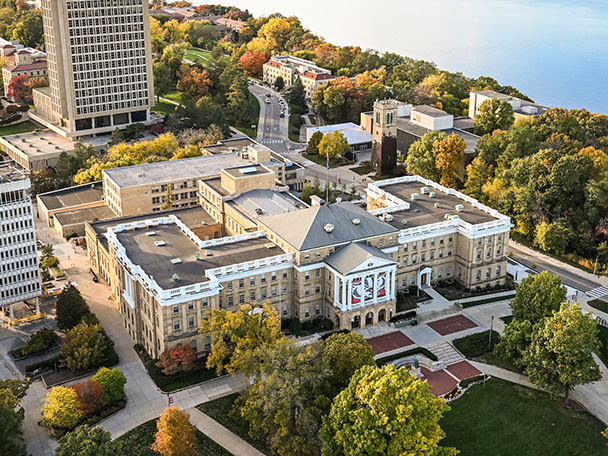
<point x="93" y="275"/>
<point x="268" y="94"/>
<point x="267" y="101"/>
<point x="282" y="114"/>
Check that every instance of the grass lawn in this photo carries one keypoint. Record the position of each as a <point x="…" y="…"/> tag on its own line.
<point x="507" y="319"/>
<point x="254" y="109"/>
<point x="323" y="161"/>
<point x="175" y="95"/>
<point x="361" y="170"/>
<point x="220" y="410"/>
<point x="492" y="359"/>
<point x="599" y="305"/>
<point x="477" y="344"/>
<point x="22" y="127"/>
<point x="168" y="383"/>
<point x="507" y="419"/>
<point x="603" y="336"/>
<point x="202" y="56"/>
<point x="137" y="442"/>
<point x="163" y="107"/>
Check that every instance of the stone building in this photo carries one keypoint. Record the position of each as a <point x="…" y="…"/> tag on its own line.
<point x="290" y="68"/>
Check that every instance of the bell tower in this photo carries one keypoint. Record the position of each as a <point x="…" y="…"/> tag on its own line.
<point x="384" y="136"/>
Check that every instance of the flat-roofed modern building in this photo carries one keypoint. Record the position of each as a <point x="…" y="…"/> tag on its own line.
<point x="522" y="109"/>
<point x="19" y="274"/>
<point x="340" y="262"/>
<point x="99" y="66"/>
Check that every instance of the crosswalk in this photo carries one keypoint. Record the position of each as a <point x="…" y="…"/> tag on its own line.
<point x="272" y="141"/>
<point x="598" y="292"/>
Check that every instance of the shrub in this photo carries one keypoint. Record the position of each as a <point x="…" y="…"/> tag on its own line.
<point x="178" y="359"/>
<point x="175" y="436"/>
<point x="39" y="341"/>
<point x="61" y="408"/>
<point x="477" y="344"/>
<point x="84" y="347"/>
<point x="113" y="383"/>
<point x="90" y="395"/>
<point x="86" y="441"/>
<point x="295" y="326"/>
<point x="43" y="366"/>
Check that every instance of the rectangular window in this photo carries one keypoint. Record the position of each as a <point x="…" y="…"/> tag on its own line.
<point x="415" y="245"/>
<point x="242" y="299"/>
<point x="229" y="286"/>
<point x="190" y="306"/>
<point x="450" y="251"/>
<point x="284" y="311"/>
<point x="175" y="309"/>
<point x="177" y="325"/>
<point x="404" y="281"/>
<point x="432" y="255"/>
<point x="441" y="239"/>
<point x="497" y="271"/>
<point x="440" y="253"/>
<point x="479" y="242"/>
<point x="423" y="257"/>
<point x="414" y="259"/>
<point x="318" y="289"/>
<point x="306" y="312"/>
<point x="252" y="296"/>
<point x="450" y="238"/>
<point x="205" y="302"/>
<point x="273" y="291"/>
<point x="405" y="247"/>
<point x="307" y="276"/>
<point x="489" y="252"/>
<point x="306" y="291"/>
<point x="191" y="322"/>
<point x="318" y="273"/>
<point x="263" y="278"/>
<point x="241" y="283"/>
<point x="413" y="281"/>
<point x="424" y="243"/>
<point x="404" y="261"/>
<point x="264" y="293"/>
<point x="478" y="276"/>
<point x="498" y="249"/>
<point x="448" y="271"/>
<point x="252" y="281"/>
<point x="285" y="274"/>
<point x="230" y="301"/>
<point x="488" y="273"/>
<point x="479" y="254"/>
<point x="273" y="276"/>
<point x="432" y="242"/>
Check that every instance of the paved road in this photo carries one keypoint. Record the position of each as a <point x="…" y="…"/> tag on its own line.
<point x="577" y="279"/>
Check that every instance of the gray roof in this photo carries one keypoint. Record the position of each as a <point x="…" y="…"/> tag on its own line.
<point x="430" y="111"/>
<point x="353" y="133"/>
<point x="404" y="125"/>
<point x="304" y="229"/>
<point x="270" y="202"/>
<point x="73" y="196"/>
<point x="80" y="216"/>
<point x="352" y="255"/>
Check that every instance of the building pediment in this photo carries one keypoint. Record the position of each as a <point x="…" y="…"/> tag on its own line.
<point x="357" y="257"/>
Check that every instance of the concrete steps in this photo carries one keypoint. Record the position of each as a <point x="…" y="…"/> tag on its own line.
<point x="446" y="353"/>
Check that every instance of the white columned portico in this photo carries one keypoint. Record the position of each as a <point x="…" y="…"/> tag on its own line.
<point x="336" y="289"/>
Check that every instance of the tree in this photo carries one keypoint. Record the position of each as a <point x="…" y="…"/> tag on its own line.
<point x="178" y="359"/>
<point x="90" y="395"/>
<point x="279" y="83"/>
<point x="84" y="347"/>
<point x="478" y="173"/>
<point x="217" y="52"/>
<point x="240" y="338"/>
<point x="494" y="114"/>
<point x="61" y="408"/>
<point x="345" y="354"/>
<point x="313" y="143"/>
<point x="561" y="356"/>
<point x="537" y="297"/>
<point x="384" y="412"/>
<point x="420" y="159"/>
<point x="333" y="145"/>
<point x="552" y="237"/>
<point x="70" y="308"/>
<point x="86" y="441"/>
<point x="297" y="94"/>
<point x="195" y="83"/>
<point x="40" y="341"/>
<point x="199" y="115"/>
<point x="17" y="390"/>
<point x="163" y="78"/>
<point x="28" y="30"/>
<point x="252" y="62"/>
<point x="276" y="32"/>
<point x="168" y="198"/>
<point x="18" y="90"/>
<point x="449" y="153"/>
<point x="113" y="383"/>
<point x="11" y="423"/>
<point x="175" y="435"/>
<point x="49" y="262"/>
<point x="237" y="109"/>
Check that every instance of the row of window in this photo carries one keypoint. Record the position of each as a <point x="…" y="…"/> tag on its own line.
<point x="105" y="36"/>
<point x="488" y="273"/>
<point x="488" y="239"/>
<point x="11" y="266"/>
<point x="423" y="257"/>
<point x="113" y="21"/>
<point x="18" y="251"/>
<point x="24" y="290"/>
<point x="428" y="242"/>
<point x="252" y="280"/>
<point x="20" y="225"/>
<point x="489" y="252"/>
<point x="176" y="197"/>
<point x="93" y="108"/>
<point x="113" y="68"/>
<point x="105" y="4"/>
<point x="17" y="278"/>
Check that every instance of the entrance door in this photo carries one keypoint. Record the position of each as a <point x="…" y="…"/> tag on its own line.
<point x="369" y="318"/>
<point x="355" y="322"/>
<point x="381" y="315"/>
<point x="423" y="279"/>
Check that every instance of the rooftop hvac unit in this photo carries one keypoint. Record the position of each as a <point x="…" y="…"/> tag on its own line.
<point x="338" y="200"/>
<point x="415" y="196"/>
<point x="432" y="194"/>
<point x="329" y="228"/>
<point x="159" y="243"/>
<point x="424" y="190"/>
<point x="270" y="245"/>
<point x="356" y="221"/>
<point x="176" y="260"/>
<point x="388" y="218"/>
<point x="436" y="204"/>
<point x="447" y="217"/>
<point x="404" y="222"/>
<point x="150" y="233"/>
<point x="459" y="207"/>
<point x="258" y="210"/>
<point x="208" y="253"/>
<point x="197" y="256"/>
<point x="175" y="277"/>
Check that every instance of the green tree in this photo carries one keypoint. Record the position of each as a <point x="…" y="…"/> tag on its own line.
<point x="478" y="174"/>
<point x="345" y="354"/>
<point x="84" y="347"/>
<point x="11" y="423"/>
<point x="279" y="83"/>
<point x="163" y="79"/>
<point x="61" y="408"/>
<point x="70" y="308"/>
<point x="420" y="159"/>
<point x="199" y="115"/>
<point x="494" y="114"/>
<point x="552" y="237"/>
<point x="49" y="262"/>
<point x="240" y="338"/>
<point x="168" y="197"/>
<point x="86" y="441"/>
<point x="561" y="355"/>
<point x="28" y="30"/>
<point x="537" y="297"/>
<point x="217" y="52"/>
<point x="333" y="145"/>
<point x="297" y="94"/>
<point x="313" y="143"/>
<point x="237" y="109"/>
<point x="384" y="412"/>
<point x="113" y="383"/>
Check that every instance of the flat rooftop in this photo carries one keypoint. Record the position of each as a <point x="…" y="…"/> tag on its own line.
<point x="9" y="173"/>
<point x="261" y="202"/>
<point x="430" y="111"/>
<point x="73" y="196"/>
<point x="245" y="171"/>
<point x="403" y="124"/>
<point x="423" y="211"/>
<point x="229" y="145"/>
<point x="80" y="216"/>
<point x="353" y="133"/>
<point x="156" y="260"/>
<point x="174" y="170"/>
<point x="38" y="144"/>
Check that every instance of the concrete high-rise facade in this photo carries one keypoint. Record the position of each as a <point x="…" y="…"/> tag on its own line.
<point x="99" y="66"/>
<point x="19" y="273"/>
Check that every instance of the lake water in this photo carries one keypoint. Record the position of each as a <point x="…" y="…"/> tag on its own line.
<point x="556" y="52"/>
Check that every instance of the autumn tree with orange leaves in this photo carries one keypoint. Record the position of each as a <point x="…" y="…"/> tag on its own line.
<point x="195" y="83"/>
<point x="90" y="395"/>
<point x="179" y="359"/>
<point x="175" y="435"/>
<point x="252" y="62"/>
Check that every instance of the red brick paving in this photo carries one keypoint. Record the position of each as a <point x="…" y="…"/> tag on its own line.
<point x="390" y="341"/>
<point x="451" y="325"/>
<point x="463" y="370"/>
<point x="441" y="382"/>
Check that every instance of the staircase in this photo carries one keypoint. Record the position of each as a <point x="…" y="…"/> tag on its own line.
<point x="445" y="352"/>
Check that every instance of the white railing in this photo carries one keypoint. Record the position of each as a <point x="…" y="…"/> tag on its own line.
<point x="257" y="264"/>
<point x="231" y="239"/>
<point x="386" y="210"/>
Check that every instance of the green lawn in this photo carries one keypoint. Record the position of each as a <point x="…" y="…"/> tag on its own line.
<point x="323" y="161"/>
<point x="603" y="336"/>
<point x="599" y="305"/>
<point x="175" y="95"/>
<point x="137" y="442"/>
<point x="254" y="109"/>
<point x="22" y="127"/>
<point x="221" y="411"/>
<point x="202" y="56"/>
<point x="507" y="419"/>
<point x="163" y="107"/>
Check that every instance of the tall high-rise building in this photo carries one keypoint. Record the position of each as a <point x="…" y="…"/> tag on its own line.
<point x="19" y="273"/>
<point x="99" y="66"/>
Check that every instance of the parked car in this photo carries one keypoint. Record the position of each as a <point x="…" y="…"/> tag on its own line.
<point x="282" y="114"/>
<point x="267" y="101"/>
<point x="93" y="275"/>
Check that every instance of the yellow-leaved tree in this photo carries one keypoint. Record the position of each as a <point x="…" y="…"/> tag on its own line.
<point x="449" y="153"/>
<point x="61" y="408"/>
<point x="175" y="435"/>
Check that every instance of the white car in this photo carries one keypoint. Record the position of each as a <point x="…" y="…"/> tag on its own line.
<point x="267" y="100"/>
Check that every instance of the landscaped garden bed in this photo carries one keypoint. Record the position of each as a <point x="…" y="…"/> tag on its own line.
<point x="408" y="300"/>
<point x="453" y="290"/>
<point x="599" y="305"/>
<point x="138" y="442"/>
<point x="41" y="341"/>
<point x="479" y="302"/>
<point x="414" y="351"/>
<point x="502" y="418"/>
<point x="477" y="344"/>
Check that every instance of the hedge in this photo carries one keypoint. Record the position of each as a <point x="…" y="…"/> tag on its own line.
<point x="423" y="351"/>
<point x="476" y="344"/>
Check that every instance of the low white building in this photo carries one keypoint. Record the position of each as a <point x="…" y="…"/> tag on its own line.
<point x="358" y="139"/>
<point x="521" y="108"/>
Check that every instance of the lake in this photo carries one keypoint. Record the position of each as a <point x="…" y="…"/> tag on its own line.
<point x="556" y="52"/>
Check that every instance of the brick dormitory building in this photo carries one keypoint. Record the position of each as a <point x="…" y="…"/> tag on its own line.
<point x="250" y="242"/>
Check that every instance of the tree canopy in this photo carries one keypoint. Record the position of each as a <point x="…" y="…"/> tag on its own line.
<point x="494" y="114"/>
<point x="87" y="441"/>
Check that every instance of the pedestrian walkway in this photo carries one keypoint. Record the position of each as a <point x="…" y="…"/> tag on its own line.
<point x="598" y="292"/>
<point x="220" y="435"/>
<point x="445" y="352"/>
